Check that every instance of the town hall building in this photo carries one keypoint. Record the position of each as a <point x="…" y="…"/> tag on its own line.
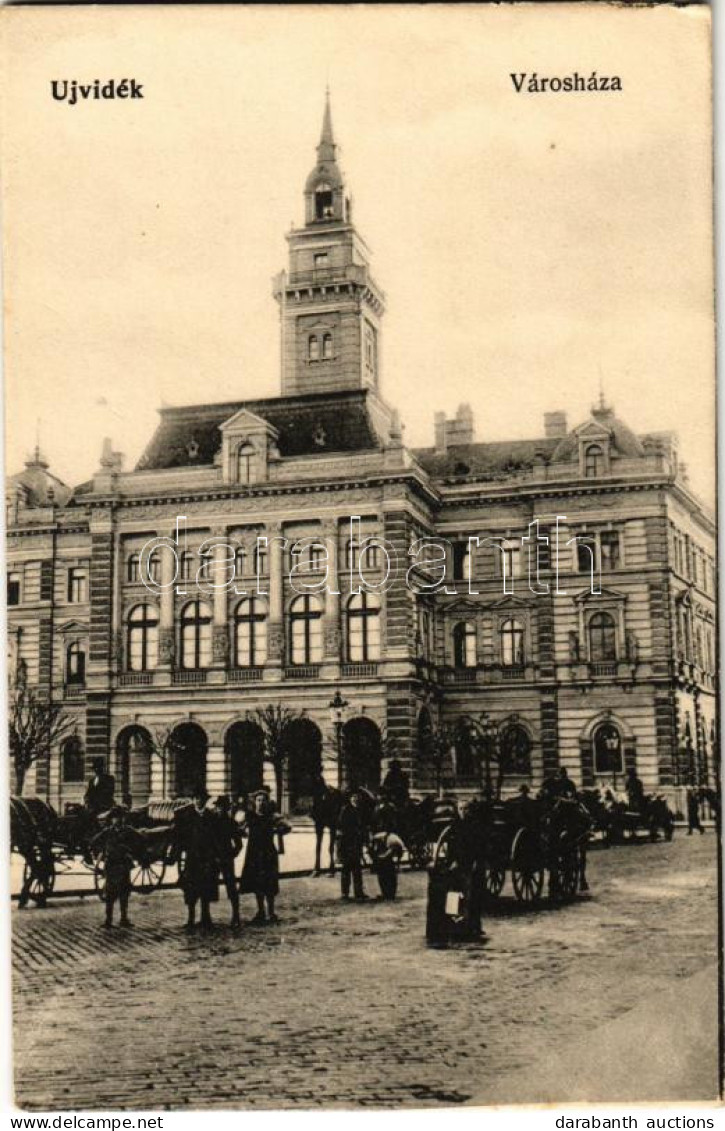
<point x="601" y="658"/>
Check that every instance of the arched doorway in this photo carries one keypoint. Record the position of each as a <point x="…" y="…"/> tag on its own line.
<point x="244" y="750"/>
<point x="515" y="751"/>
<point x="361" y="754"/>
<point x="304" y="764"/>
<point x="608" y="749"/>
<point x="134" y="750"/>
<point x="188" y="745"/>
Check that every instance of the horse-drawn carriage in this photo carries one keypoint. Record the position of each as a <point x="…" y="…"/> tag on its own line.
<point x="52" y="845"/>
<point x="617" y="820"/>
<point x="528" y="839"/>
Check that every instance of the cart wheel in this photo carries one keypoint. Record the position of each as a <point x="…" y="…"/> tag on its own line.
<point x="494" y="879"/>
<point x="442" y="854"/>
<point x="148" y="875"/>
<point x="527" y="875"/>
<point x="99" y="876"/>
<point x="38" y="876"/>
<point x="567" y="875"/>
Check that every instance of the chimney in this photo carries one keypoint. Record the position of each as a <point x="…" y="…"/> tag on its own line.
<point x="460" y="430"/>
<point x="555" y="425"/>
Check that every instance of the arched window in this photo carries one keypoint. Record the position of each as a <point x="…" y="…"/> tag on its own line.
<point x="593" y="461"/>
<point x="239" y="556"/>
<point x="352" y="553"/>
<point x="464" y="645"/>
<point x="608" y="755"/>
<point x="323" y="201"/>
<point x="327" y="347"/>
<point x="515" y="750"/>
<point x="186" y="566"/>
<point x="512" y="644"/>
<point x="142" y="638"/>
<point x="305" y="630"/>
<point x="133" y="568"/>
<point x="73" y="760"/>
<point x="370" y="555"/>
<point x="602" y="638"/>
<point x="250" y="633"/>
<point x="260" y="559"/>
<point x="363" y="628"/>
<point x="317" y="555"/>
<point x="467" y="769"/>
<point x="295" y="555"/>
<point x="154" y="566"/>
<point x="313" y="348"/>
<point x="245" y="460"/>
<point x="75" y="666"/>
<point x="196" y="635"/>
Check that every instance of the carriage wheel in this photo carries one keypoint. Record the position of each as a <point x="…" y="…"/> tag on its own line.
<point x="527" y="874"/>
<point x="148" y="875"/>
<point x="567" y="875"/>
<point x="494" y="879"/>
<point x="99" y="876"/>
<point x="442" y="854"/>
<point x="38" y="876"/>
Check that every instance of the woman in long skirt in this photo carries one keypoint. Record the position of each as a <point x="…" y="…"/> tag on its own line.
<point x="260" y="874"/>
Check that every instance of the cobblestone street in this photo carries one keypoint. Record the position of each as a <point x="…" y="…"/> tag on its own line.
<point x="342" y="1004"/>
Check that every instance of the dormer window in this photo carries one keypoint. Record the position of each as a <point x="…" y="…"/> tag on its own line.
<point x="593" y="461"/>
<point x="323" y="202"/>
<point x="245" y="458"/>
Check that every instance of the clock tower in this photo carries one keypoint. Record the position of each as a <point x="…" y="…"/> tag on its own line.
<point x="330" y="306"/>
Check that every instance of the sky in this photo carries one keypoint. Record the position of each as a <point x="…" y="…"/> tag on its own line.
<point x="532" y="247"/>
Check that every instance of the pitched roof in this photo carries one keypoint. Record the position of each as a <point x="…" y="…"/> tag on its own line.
<point x="306" y="425"/>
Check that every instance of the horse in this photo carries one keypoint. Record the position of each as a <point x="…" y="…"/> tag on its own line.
<point x="327" y="804"/>
<point x="567" y="827"/>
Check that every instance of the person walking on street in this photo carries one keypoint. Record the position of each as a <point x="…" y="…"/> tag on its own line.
<point x="260" y="874"/>
<point x="351" y="839"/>
<point x="200" y="878"/>
<point x="116" y="842"/>
<point x="230" y="840"/>
<point x="693" y="811"/>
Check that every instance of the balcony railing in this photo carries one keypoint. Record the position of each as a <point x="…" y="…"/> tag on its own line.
<point x="302" y="671"/>
<point x="358" y="671"/>
<point x="460" y="675"/>
<point x="245" y="675"/>
<point x="193" y="675"/>
<point x="75" y="690"/>
<point x="135" y="679"/>
<point x="350" y="272"/>
<point x="513" y="673"/>
<point x="604" y="669"/>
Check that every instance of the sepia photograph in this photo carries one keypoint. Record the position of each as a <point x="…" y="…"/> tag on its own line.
<point x="361" y="554"/>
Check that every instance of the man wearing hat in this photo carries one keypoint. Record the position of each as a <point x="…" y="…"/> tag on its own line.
<point x="351" y="839"/>
<point x="230" y="840"/>
<point x="100" y="789"/>
<point x="117" y="843"/>
<point x="199" y="839"/>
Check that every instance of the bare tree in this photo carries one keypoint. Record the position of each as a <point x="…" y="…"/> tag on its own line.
<point x="35" y="724"/>
<point x="437" y="743"/>
<point x="274" y="721"/>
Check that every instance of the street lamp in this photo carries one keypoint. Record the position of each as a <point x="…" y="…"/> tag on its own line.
<point x="338" y="714"/>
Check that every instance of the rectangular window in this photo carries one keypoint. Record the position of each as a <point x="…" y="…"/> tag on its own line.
<point x="609" y="549"/>
<point x="77" y="585"/>
<point x="511" y="560"/>
<point x="320" y="259"/>
<point x="586" y="553"/>
<point x="13" y="589"/>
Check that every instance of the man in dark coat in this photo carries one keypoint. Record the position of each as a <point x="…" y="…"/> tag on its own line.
<point x="100" y="789"/>
<point x="396" y="785"/>
<point x="230" y="839"/>
<point x="199" y="838"/>
<point x="635" y="791"/>
<point x="693" y="811"/>
<point x="351" y="838"/>
<point x="118" y="844"/>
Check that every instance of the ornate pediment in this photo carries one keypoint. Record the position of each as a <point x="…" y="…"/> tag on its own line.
<point x="245" y="422"/>
<point x="510" y="601"/>
<point x="72" y="627"/>
<point x="611" y="595"/>
<point x="592" y="430"/>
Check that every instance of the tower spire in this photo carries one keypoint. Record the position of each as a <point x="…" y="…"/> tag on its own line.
<point x="326" y="149"/>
